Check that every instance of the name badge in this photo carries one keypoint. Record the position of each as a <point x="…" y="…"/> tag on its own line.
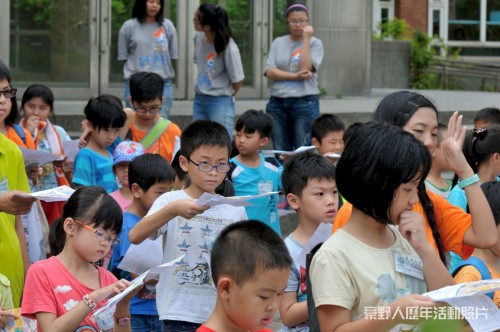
<point x="408" y="264"/>
<point x="4" y="185"/>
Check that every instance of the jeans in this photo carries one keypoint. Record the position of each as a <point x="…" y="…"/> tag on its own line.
<point x="168" y="97"/>
<point x="292" y="120"/>
<point x="215" y="108"/>
<point x="146" y="323"/>
<point x="179" y="326"/>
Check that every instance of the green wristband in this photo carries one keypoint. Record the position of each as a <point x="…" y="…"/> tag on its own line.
<point x="467" y="182"/>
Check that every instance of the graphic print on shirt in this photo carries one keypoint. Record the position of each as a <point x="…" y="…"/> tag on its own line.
<point x="195" y="238"/>
<point x="160" y="48"/>
<point x="204" y="80"/>
<point x="293" y="67"/>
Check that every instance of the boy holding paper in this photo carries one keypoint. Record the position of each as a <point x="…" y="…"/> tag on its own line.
<point x="187" y="228"/>
<point x="149" y="176"/>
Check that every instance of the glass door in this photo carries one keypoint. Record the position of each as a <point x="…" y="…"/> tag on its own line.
<point x="53" y="43"/>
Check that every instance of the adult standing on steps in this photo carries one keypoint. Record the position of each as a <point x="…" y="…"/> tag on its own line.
<point x="293" y="65"/>
<point x="220" y="70"/>
<point x="148" y="42"/>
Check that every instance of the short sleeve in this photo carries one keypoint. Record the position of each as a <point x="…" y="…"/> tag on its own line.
<point x="467" y="273"/>
<point x="232" y="60"/>
<point x="123" y="41"/>
<point x="330" y="281"/>
<point x="293" y="280"/>
<point x="271" y="57"/>
<point x="317" y="53"/>
<point x="172" y="39"/>
<point x="38" y="295"/>
<point x="83" y="174"/>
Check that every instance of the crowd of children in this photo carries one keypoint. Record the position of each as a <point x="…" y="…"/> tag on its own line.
<point x="399" y="224"/>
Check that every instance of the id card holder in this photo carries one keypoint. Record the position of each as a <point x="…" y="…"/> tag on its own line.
<point x="4" y="184"/>
<point x="406" y="263"/>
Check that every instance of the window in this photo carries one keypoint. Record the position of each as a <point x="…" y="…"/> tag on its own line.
<point x="383" y="11"/>
<point x="464" y="20"/>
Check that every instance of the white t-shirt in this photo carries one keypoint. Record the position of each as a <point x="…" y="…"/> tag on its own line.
<point x="185" y="291"/>
<point x="348" y="273"/>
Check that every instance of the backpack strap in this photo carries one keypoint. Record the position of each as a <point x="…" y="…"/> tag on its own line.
<point x="155" y="133"/>
<point x="477" y="264"/>
<point x="20" y="132"/>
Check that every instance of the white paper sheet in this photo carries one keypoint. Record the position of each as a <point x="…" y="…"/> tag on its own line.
<point x="35" y="156"/>
<point x="208" y="199"/>
<point x="61" y="193"/>
<point x="142" y="257"/>
<point x="70" y="149"/>
<point x="322" y="233"/>
<point x="332" y="155"/>
<point x="148" y="275"/>
<point x="288" y="153"/>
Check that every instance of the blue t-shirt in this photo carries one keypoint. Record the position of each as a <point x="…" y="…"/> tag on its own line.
<point x="458" y="198"/>
<point x="94" y="169"/>
<point x="138" y="306"/>
<point x="259" y="180"/>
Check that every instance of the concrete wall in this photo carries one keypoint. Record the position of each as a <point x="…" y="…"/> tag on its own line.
<point x="390" y="64"/>
<point x="344" y="26"/>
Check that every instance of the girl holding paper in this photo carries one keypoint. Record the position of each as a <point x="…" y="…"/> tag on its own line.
<point x="63" y="291"/>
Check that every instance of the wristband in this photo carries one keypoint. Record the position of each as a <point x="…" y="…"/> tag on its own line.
<point x="467" y="182"/>
<point x="91" y="304"/>
<point x="124" y="321"/>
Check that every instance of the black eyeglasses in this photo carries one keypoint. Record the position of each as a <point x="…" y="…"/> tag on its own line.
<point x="143" y="110"/>
<point x="8" y="93"/>
<point x="206" y="167"/>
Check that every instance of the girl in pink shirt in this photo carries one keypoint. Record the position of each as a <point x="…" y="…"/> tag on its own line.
<point x="63" y="291"/>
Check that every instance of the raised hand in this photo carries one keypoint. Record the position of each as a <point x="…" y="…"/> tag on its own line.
<point x="452" y="147"/>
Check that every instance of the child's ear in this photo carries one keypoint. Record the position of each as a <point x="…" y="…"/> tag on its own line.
<point x="315" y="142"/>
<point x="183" y="162"/>
<point x="69" y="226"/>
<point x="136" y="190"/>
<point x="224" y="287"/>
<point x="293" y="201"/>
<point x="264" y="141"/>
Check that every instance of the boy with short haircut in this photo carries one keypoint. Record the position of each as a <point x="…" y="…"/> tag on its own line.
<point x="107" y="124"/>
<point x="487" y="116"/>
<point x="250" y="266"/>
<point x="327" y="132"/>
<point x="150" y="176"/>
<point x="309" y="185"/>
<point x="124" y="153"/>
<point x="434" y="181"/>
<point x="251" y="172"/>
<point x="186" y="290"/>
<point x="158" y="135"/>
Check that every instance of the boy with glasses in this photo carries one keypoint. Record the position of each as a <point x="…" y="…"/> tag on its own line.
<point x="158" y="135"/>
<point x="185" y="292"/>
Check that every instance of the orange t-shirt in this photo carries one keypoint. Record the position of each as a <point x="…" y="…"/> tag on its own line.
<point x="164" y="146"/>
<point x="470" y="273"/>
<point x="452" y="223"/>
<point x="14" y="137"/>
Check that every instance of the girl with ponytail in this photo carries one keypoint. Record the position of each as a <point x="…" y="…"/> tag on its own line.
<point x="220" y="70"/>
<point x="448" y="227"/>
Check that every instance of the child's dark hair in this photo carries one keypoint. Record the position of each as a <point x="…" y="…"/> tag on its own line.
<point x="480" y="144"/>
<point x="204" y="133"/>
<point x="146" y="86"/>
<point x="216" y="18"/>
<point x="39" y="91"/>
<point x="378" y="159"/>
<point x="139" y="11"/>
<point x="246" y="248"/>
<point x="92" y="206"/>
<point x="253" y="120"/>
<point x="350" y="131"/>
<point x="296" y="7"/>
<point x="488" y="114"/>
<point x="396" y="109"/>
<point x="325" y="124"/>
<point x="181" y="174"/>
<point x="302" y="168"/>
<point x="491" y="190"/>
<point x="149" y="169"/>
<point x="56" y="241"/>
<point x="14" y="111"/>
<point x="105" y="111"/>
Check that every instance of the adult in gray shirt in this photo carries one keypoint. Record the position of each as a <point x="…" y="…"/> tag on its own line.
<point x="148" y="42"/>
<point x="220" y="70"/>
<point x="293" y="65"/>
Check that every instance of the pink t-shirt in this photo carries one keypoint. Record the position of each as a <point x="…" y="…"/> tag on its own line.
<point x="121" y="200"/>
<point x="50" y="287"/>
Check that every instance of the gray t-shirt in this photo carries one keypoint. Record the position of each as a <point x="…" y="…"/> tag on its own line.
<point x="285" y="54"/>
<point x="147" y="47"/>
<point x="216" y="73"/>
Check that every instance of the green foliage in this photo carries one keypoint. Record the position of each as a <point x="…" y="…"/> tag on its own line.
<point x="39" y="11"/>
<point x="393" y="30"/>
